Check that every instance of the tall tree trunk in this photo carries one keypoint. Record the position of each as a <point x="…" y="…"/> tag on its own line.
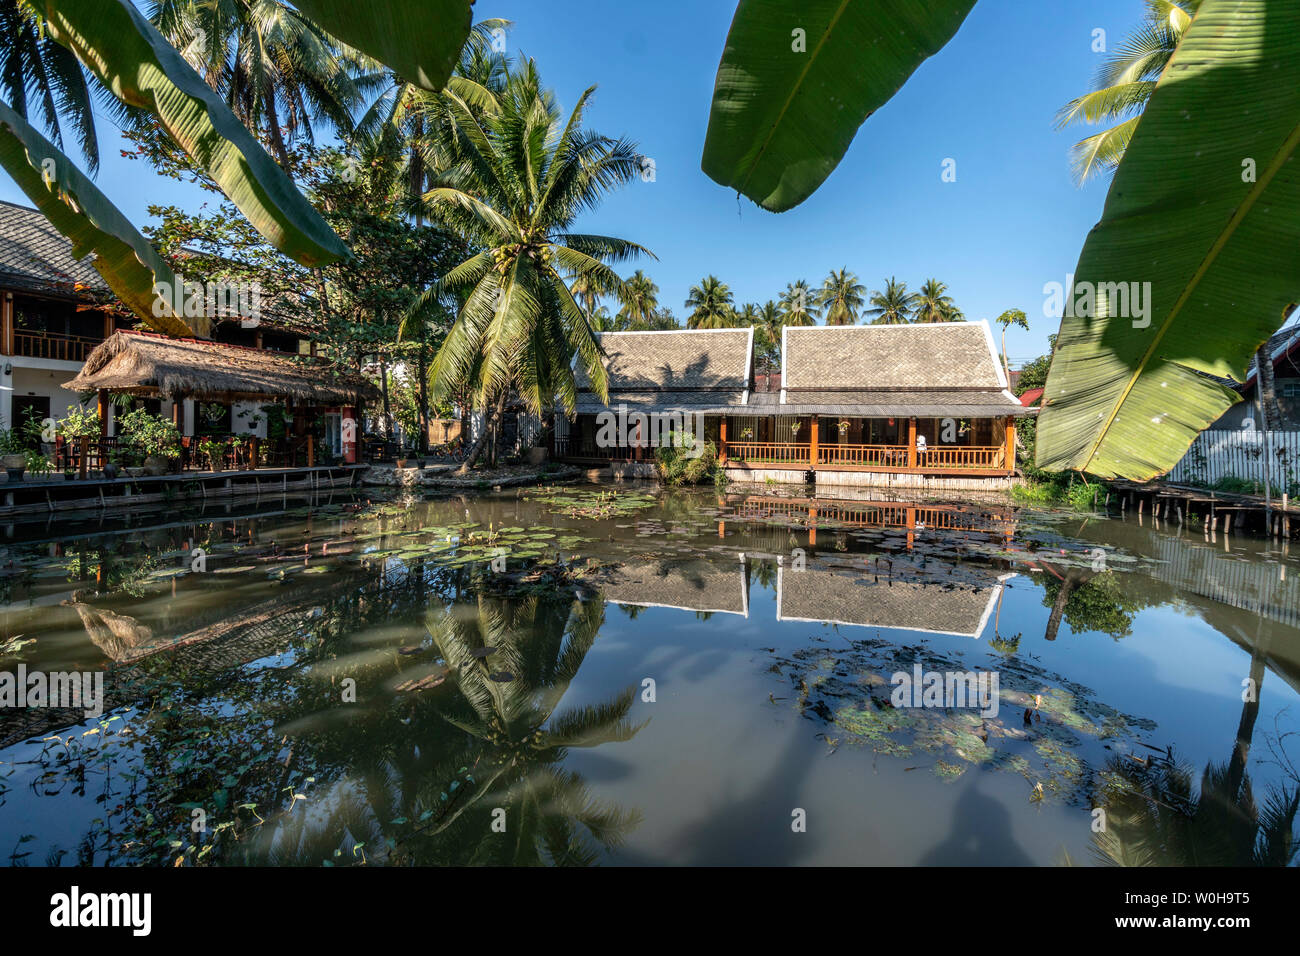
<point x="1272" y="419"/>
<point x="422" y="369"/>
<point x="491" y="411"/>
<point x="383" y="387"/>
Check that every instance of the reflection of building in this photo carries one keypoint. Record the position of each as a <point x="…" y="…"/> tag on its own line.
<point x="831" y="597"/>
<point x="993" y="521"/>
<point x="717" y="588"/>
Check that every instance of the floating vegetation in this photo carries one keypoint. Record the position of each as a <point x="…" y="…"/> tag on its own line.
<point x="1046" y="729"/>
<point x="580" y="503"/>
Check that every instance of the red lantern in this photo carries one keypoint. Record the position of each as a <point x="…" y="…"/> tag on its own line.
<point x="891" y="421"/>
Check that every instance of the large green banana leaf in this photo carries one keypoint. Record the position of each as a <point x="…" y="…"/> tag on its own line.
<point x="116" y="43"/>
<point x="782" y="118"/>
<point x="1205" y="211"/>
<point x="76" y="207"/>
<point x="420" y="40"/>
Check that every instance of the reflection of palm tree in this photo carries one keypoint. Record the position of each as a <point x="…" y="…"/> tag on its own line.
<point x="508" y="698"/>
<point x="1154" y="819"/>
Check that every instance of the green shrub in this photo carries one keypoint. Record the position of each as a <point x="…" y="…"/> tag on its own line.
<point x="677" y="466"/>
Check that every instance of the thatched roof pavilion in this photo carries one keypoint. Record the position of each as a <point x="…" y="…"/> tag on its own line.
<point x="148" y="364"/>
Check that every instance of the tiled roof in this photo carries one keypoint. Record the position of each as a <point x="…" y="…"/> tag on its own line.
<point x="677" y="361"/>
<point x="946" y="355"/>
<point x="35" y="256"/>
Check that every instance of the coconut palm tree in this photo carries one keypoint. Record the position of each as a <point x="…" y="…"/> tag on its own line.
<point x="841" y="296"/>
<point x="278" y="71"/>
<point x="710" y="305"/>
<point x="588" y="290"/>
<point x="418" y="124"/>
<point x="520" y="179"/>
<point x="768" y="322"/>
<point x="797" y="304"/>
<point x="934" y="304"/>
<point x="1123" y="86"/>
<point x="893" y="305"/>
<point x="38" y="74"/>
<point x="641" y="302"/>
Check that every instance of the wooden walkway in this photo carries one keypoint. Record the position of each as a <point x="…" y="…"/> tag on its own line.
<point x="34" y="498"/>
<point x="1217" y="510"/>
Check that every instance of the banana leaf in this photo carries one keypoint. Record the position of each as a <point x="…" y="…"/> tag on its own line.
<point x="76" y="207"/>
<point x="420" y="40"/>
<point x="1202" y="221"/>
<point x="121" y="47"/>
<point x="787" y="105"/>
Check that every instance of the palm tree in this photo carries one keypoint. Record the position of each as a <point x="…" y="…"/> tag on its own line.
<point x="1123" y="86"/>
<point x="892" y="306"/>
<point x="768" y="323"/>
<point x="417" y="124"/>
<point x="278" y="71"/>
<point x="710" y="305"/>
<point x="933" y="304"/>
<point x="519" y="181"/>
<point x="641" y="300"/>
<point x="588" y="289"/>
<point x="841" y="295"/>
<point x="797" y="304"/>
<point x="1008" y="318"/>
<point x="34" y="65"/>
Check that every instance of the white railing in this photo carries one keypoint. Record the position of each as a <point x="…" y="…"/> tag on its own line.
<point x="1240" y="453"/>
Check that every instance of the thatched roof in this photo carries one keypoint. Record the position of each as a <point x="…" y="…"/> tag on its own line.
<point x="142" y="363"/>
<point x="692" y="370"/>
<point x="947" y="368"/>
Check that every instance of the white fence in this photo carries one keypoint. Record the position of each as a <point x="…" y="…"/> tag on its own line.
<point x="1240" y="453"/>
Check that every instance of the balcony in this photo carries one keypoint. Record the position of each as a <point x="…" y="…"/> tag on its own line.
<point x="887" y="458"/>
<point x="47" y="345"/>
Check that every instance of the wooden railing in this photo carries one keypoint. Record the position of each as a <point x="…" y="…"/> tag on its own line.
<point x="938" y="458"/>
<point x="962" y="456"/>
<point x="46" y="345"/>
<point x="768" y="453"/>
<point x="886" y="456"/>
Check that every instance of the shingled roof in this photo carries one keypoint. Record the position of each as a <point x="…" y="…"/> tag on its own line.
<point x="930" y="370"/>
<point x="36" y="257"/>
<point x="695" y="370"/>
<point x="836" y="598"/>
<point x="141" y="363"/>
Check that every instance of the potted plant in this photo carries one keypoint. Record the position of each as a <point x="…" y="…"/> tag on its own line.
<point x="154" y="437"/>
<point x="38" y="465"/>
<point x="12" y="454"/>
<point x="214" y="449"/>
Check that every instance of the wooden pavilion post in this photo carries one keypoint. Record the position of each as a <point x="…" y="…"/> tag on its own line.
<point x="722" y="440"/>
<point x="1009" y="462"/>
<point x="911" y="443"/>
<point x="812" y="442"/>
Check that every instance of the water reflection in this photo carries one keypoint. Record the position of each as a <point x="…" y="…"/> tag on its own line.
<point x="446" y="682"/>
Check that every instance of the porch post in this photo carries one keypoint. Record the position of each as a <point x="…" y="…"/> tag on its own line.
<point x="349" y="435"/>
<point x="7" y="324"/>
<point x="103" y="414"/>
<point x="911" y="443"/>
<point x="1009" y="462"/>
<point x="812" y="442"/>
<point x="722" y="440"/>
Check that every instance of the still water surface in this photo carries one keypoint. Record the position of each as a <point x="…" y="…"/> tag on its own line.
<point x="569" y="676"/>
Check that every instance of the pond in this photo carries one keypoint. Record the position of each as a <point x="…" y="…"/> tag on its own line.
<point x="625" y="675"/>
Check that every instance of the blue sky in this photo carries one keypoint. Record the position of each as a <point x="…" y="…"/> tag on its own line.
<point x="1012" y="221"/>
